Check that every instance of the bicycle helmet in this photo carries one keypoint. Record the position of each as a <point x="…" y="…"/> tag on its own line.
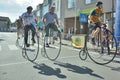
<point x="29" y="7"/>
<point x="99" y="3"/>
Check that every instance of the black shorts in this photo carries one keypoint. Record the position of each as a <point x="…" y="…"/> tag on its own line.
<point x="97" y="25"/>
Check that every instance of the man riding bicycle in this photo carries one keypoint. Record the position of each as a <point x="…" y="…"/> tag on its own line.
<point x="49" y="20"/>
<point x="95" y="18"/>
<point x="27" y="19"/>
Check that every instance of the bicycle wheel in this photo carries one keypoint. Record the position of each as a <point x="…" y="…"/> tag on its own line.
<point x="52" y="52"/>
<point x="83" y="54"/>
<point x="41" y="42"/>
<point x="105" y="49"/>
<point x="32" y="51"/>
<point x="23" y="52"/>
<point x="20" y="41"/>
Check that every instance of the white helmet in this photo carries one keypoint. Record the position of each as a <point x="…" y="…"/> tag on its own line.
<point x="52" y="6"/>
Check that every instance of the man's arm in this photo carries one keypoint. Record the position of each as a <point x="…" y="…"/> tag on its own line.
<point x="101" y="19"/>
<point x="43" y="20"/>
<point x="57" y="22"/>
<point x="36" y="21"/>
<point x="21" y="20"/>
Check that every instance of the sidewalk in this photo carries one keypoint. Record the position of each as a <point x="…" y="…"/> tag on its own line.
<point x="67" y="42"/>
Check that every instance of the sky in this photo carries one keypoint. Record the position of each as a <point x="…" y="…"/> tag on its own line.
<point x="14" y="8"/>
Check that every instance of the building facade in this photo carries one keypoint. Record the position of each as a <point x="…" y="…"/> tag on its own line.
<point x="73" y="9"/>
<point x="70" y="11"/>
<point x="4" y="24"/>
<point x="42" y="9"/>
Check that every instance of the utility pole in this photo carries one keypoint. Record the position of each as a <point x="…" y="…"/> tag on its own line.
<point x="117" y="21"/>
<point x="75" y="17"/>
<point x="113" y="14"/>
<point x="112" y="18"/>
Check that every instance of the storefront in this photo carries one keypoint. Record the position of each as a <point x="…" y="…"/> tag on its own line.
<point x="83" y="19"/>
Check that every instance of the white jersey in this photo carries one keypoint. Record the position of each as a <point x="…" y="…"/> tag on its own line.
<point x="28" y="18"/>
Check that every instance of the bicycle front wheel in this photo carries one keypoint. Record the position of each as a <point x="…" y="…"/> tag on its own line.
<point x="32" y="51"/>
<point x="104" y="50"/>
<point x="53" y="50"/>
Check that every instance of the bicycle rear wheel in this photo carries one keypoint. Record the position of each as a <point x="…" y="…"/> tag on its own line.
<point x="52" y="52"/>
<point x="20" y="41"/>
<point x="41" y="42"/>
<point x="83" y="54"/>
<point x="104" y="51"/>
<point x="32" y="51"/>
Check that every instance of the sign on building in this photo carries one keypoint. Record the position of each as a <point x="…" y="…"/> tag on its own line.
<point x="83" y="17"/>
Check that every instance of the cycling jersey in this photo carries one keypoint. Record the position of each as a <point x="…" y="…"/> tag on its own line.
<point x="28" y="19"/>
<point x="95" y="15"/>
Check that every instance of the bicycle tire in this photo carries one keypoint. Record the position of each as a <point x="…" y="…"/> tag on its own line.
<point x="30" y="53"/>
<point x="83" y="54"/>
<point x="41" y="41"/>
<point x="56" y="47"/>
<point x="20" y="41"/>
<point x="105" y="57"/>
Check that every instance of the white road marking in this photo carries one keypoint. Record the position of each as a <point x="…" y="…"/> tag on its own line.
<point x="54" y="46"/>
<point x="12" y="47"/>
<point x="40" y="46"/>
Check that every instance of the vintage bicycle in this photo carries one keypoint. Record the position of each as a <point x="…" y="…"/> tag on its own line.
<point x="32" y="51"/>
<point x="54" y="40"/>
<point x="103" y="51"/>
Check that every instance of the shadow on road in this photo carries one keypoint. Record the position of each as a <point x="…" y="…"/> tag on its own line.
<point x="116" y="69"/>
<point x="116" y="61"/>
<point x="77" y="69"/>
<point x="49" y="71"/>
<point x="113" y="68"/>
<point x="2" y="40"/>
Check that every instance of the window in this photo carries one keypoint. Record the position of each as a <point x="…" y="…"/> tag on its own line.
<point x="89" y="1"/>
<point x="71" y="3"/>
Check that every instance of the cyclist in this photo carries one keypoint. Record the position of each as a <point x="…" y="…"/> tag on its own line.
<point x="27" y="19"/>
<point x="19" y="27"/>
<point x="95" y="18"/>
<point x="49" y="20"/>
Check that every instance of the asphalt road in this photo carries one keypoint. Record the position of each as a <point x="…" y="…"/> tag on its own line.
<point x="68" y="66"/>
